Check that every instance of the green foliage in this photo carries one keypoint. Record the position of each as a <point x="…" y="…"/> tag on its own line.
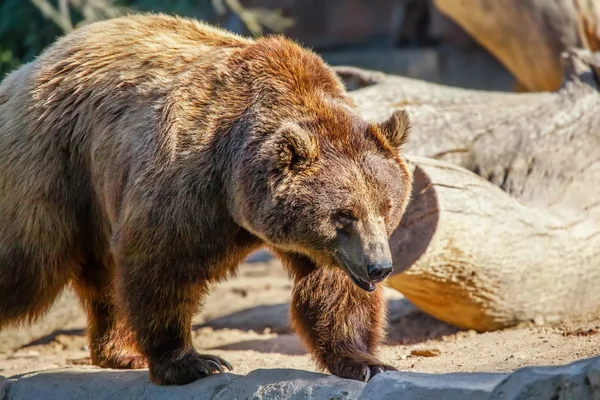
<point x="29" y="26"/>
<point x="200" y="9"/>
<point x="25" y="31"/>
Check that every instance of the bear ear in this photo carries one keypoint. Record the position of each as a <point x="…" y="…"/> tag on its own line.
<point x="396" y="128"/>
<point x="297" y="147"/>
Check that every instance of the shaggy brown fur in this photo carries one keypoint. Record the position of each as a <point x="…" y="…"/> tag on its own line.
<point x="144" y="157"/>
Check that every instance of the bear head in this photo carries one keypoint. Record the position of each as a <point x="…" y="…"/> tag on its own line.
<point x="331" y="187"/>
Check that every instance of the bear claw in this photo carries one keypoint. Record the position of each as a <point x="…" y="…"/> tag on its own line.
<point x="218" y="362"/>
<point x="359" y="371"/>
<point x="376" y="370"/>
<point x="367" y="374"/>
<point x="215" y="365"/>
<point x="371" y="371"/>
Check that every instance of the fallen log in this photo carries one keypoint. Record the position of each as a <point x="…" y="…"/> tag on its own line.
<point x="504" y="225"/>
<point x="481" y="259"/>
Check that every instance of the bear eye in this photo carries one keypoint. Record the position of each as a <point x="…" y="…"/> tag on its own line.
<point x="385" y="210"/>
<point x="344" y="218"/>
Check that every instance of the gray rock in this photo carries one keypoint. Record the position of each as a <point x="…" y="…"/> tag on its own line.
<point x="579" y="380"/>
<point x="259" y="256"/>
<point x="88" y="384"/>
<point x="4" y="383"/>
<point x="290" y="384"/>
<point x="421" y="386"/>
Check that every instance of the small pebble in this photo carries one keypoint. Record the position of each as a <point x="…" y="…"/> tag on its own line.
<point x="425" y="352"/>
<point x="241" y="292"/>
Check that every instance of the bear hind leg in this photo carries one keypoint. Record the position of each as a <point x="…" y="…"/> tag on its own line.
<point x="111" y="342"/>
<point x="29" y="283"/>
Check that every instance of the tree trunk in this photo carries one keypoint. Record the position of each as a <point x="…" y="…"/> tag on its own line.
<point x="518" y="242"/>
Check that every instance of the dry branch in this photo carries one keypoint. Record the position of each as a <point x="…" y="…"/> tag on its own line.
<point x="92" y="10"/>
<point x="255" y="18"/>
<point x="588" y="15"/>
<point x="59" y="16"/>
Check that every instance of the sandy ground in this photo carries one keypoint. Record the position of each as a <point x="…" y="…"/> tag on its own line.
<point x="245" y="321"/>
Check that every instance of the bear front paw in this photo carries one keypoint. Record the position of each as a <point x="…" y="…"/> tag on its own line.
<point x="186" y="368"/>
<point x="360" y="370"/>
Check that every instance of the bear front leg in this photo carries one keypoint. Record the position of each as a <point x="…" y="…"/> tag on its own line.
<point x="341" y="324"/>
<point x="159" y="304"/>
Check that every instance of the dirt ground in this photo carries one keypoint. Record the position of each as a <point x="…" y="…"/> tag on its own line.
<point x="245" y="321"/>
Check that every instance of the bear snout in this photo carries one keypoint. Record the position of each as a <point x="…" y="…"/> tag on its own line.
<point x="378" y="271"/>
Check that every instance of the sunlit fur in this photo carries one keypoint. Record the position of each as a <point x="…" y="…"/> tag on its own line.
<point x="144" y="157"/>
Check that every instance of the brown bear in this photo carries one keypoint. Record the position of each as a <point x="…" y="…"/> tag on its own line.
<point x="143" y="158"/>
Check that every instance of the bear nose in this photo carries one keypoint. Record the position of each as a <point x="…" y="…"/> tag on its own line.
<point x="379" y="271"/>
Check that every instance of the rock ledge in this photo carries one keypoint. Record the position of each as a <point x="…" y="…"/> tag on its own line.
<point x="580" y="380"/>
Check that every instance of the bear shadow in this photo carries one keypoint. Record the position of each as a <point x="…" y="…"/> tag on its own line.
<point x="46" y="339"/>
<point x="407" y="325"/>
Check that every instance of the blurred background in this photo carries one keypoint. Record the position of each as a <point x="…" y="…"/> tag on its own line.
<point x="405" y="37"/>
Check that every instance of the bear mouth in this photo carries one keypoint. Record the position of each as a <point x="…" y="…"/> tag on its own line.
<point x="366" y="286"/>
